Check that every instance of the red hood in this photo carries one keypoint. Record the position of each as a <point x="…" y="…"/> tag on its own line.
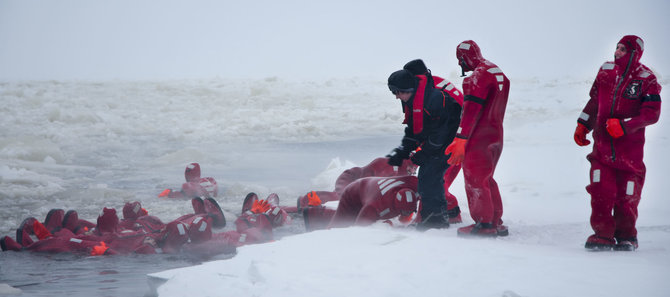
<point x="132" y="210"/>
<point x="192" y="172"/>
<point x="406" y="200"/>
<point x="108" y="221"/>
<point x="634" y="49"/>
<point x="469" y="55"/>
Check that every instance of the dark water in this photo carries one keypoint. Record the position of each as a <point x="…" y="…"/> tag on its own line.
<point x="38" y="274"/>
<point x="64" y="274"/>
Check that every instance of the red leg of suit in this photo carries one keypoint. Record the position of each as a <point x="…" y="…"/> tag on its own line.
<point x="449" y="177"/>
<point x="483" y="195"/>
<point x="625" y="208"/>
<point x="615" y="195"/>
<point x="604" y="192"/>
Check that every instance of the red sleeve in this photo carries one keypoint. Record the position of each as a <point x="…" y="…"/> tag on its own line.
<point x="590" y="111"/>
<point x="347" y="177"/>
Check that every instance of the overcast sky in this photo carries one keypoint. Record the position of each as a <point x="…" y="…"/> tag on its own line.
<point x="158" y="39"/>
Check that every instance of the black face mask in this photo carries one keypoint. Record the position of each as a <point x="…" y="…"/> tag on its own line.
<point x="464" y="66"/>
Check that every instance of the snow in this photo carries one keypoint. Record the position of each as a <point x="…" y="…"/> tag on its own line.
<point x="106" y="102"/>
<point x="382" y="261"/>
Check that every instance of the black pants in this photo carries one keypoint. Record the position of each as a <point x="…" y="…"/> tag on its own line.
<point x="431" y="185"/>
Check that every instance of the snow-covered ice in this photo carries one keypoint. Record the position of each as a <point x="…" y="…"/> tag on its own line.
<point x="106" y="102"/>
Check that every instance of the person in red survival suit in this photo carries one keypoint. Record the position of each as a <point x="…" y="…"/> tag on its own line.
<point x="418" y="67"/>
<point x="277" y="215"/>
<point x="62" y="239"/>
<point x="366" y="201"/>
<point x="254" y="225"/>
<point x="624" y="100"/>
<point x="432" y="117"/>
<point x="479" y="141"/>
<point x="195" y="186"/>
<point x="136" y="233"/>
<point x="377" y="167"/>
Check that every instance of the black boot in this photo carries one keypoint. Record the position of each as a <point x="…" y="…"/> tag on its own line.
<point x="434" y="220"/>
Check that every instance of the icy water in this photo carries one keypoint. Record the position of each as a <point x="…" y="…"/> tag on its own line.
<point x="38" y="274"/>
<point x="41" y="274"/>
<point x="288" y="169"/>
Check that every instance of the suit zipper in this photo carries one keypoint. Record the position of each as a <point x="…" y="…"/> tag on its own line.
<point x="616" y="90"/>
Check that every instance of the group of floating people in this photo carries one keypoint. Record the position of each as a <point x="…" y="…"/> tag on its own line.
<point x="377" y="191"/>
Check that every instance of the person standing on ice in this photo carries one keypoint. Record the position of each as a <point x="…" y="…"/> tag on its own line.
<point x="418" y="67"/>
<point x="432" y="117"/>
<point x="624" y="100"/>
<point x="479" y="141"/>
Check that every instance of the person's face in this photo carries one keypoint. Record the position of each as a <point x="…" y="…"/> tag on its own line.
<point x="620" y="51"/>
<point x="411" y="169"/>
<point x="403" y="96"/>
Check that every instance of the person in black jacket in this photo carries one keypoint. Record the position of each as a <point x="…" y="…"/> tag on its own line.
<point x="432" y="117"/>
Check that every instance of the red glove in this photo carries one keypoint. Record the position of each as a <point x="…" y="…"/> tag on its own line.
<point x="165" y="193"/>
<point x="580" y="135"/>
<point x="260" y="206"/>
<point x="100" y="249"/>
<point x="614" y="128"/>
<point x="313" y="199"/>
<point x="405" y="219"/>
<point x="457" y="151"/>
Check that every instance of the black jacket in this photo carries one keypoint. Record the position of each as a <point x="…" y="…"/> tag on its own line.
<point x="441" y="117"/>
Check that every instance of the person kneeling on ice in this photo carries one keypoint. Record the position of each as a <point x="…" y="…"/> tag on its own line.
<point x="195" y="186"/>
<point x="366" y="201"/>
<point x="377" y="167"/>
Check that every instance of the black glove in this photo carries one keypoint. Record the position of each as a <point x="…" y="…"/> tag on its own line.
<point x="397" y="156"/>
<point x="420" y="157"/>
<point x="409" y="144"/>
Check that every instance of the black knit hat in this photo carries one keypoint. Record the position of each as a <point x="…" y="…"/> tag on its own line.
<point x="402" y="81"/>
<point x="416" y="67"/>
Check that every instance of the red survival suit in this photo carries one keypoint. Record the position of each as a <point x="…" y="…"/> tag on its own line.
<point x="195" y="185"/>
<point x="137" y="232"/>
<point x="368" y="200"/>
<point x="627" y="91"/>
<point x="378" y="167"/>
<point x="481" y="131"/>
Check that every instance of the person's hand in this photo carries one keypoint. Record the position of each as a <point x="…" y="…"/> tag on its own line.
<point x="396" y="156"/>
<point x="419" y="157"/>
<point x="100" y="249"/>
<point x="406" y="219"/>
<point x="457" y="151"/>
<point x="313" y="199"/>
<point x="260" y="206"/>
<point x="580" y="135"/>
<point x="614" y="128"/>
<point x="165" y="193"/>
